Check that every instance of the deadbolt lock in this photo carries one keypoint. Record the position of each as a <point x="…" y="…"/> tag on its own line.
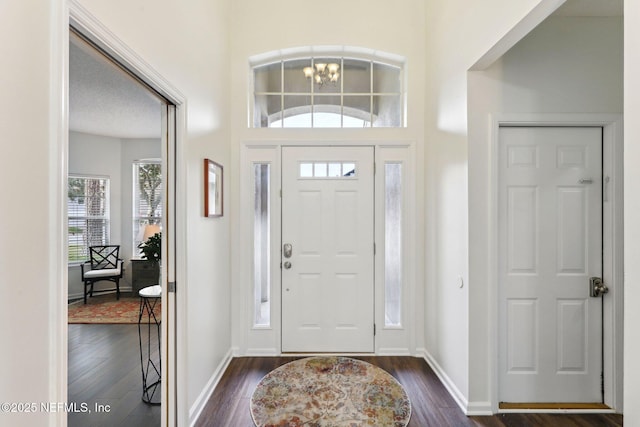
<point x="287" y="250"/>
<point x="597" y="287"/>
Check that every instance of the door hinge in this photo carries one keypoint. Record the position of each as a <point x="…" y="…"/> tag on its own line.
<point x="374" y="167"/>
<point x="171" y="287"/>
<point x="374" y="248"/>
<point x="374" y="329"/>
<point x="280" y="191"/>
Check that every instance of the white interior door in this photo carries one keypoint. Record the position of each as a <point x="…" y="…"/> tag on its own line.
<point x="328" y="276"/>
<point x="550" y="244"/>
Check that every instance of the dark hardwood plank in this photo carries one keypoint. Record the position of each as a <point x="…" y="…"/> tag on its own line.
<point x="104" y="369"/>
<point x="431" y="404"/>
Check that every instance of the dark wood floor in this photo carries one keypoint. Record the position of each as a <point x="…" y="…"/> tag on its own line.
<point x="431" y="403"/>
<point x="104" y="369"/>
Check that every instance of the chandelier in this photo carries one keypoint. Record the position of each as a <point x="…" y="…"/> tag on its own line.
<point x="323" y="73"/>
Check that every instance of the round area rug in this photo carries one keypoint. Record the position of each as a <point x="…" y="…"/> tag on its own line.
<point x="329" y="392"/>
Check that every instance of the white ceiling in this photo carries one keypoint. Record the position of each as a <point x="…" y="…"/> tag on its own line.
<point x="104" y="100"/>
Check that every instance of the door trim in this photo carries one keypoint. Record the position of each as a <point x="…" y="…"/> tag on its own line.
<point x="612" y="155"/>
<point x="252" y="340"/>
<point x="83" y="22"/>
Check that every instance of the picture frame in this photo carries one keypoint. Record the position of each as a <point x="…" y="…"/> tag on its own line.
<point x="213" y="189"/>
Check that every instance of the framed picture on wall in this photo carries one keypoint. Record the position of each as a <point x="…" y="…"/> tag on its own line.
<point x="212" y="189"/>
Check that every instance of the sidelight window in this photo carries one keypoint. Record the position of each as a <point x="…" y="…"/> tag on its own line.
<point x="393" y="244"/>
<point x="261" y="244"/>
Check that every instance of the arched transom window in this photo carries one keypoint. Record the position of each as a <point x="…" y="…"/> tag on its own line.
<point x="328" y="91"/>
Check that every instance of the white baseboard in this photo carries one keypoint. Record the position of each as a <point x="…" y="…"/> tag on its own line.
<point x="453" y="390"/>
<point x="392" y="351"/>
<point x="262" y="352"/>
<point x="201" y="401"/>
<point x="479" y="409"/>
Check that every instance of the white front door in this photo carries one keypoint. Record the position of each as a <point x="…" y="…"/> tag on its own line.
<point x="328" y="253"/>
<point x="550" y="244"/>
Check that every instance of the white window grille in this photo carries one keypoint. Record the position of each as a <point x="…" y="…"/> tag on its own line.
<point x="148" y="192"/>
<point x="361" y="93"/>
<point x="88" y="215"/>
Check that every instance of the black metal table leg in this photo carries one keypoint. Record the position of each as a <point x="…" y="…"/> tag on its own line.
<point x="150" y="362"/>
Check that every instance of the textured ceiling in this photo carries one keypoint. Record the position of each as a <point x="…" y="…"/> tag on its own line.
<point x="104" y="100"/>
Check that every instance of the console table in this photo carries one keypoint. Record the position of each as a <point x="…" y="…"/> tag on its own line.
<point x="149" y="335"/>
<point x="143" y="273"/>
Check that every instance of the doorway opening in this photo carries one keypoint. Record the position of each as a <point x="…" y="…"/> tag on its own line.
<point x="159" y="153"/>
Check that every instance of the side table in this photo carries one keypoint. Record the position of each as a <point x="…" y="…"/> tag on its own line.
<point x="150" y="360"/>
<point x="143" y="273"/>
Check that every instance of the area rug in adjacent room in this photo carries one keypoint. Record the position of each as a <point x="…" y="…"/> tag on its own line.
<point x="329" y="391"/>
<point x="106" y="309"/>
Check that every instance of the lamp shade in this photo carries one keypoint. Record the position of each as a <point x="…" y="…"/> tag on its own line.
<point x="150" y="230"/>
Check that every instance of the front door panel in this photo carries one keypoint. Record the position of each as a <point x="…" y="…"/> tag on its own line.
<point x="328" y="262"/>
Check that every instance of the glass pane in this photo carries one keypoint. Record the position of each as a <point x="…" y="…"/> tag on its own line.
<point x="386" y="111"/>
<point x="357" y="76"/>
<point x="393" y="244"/>
<point x="320" y="170"/>
<point x="357" y="107"/>
<point x="268" y="78"/>
<point x="327" y="112"/>
<point x="297" y="111"/>
<point x="386" y="79"/>
<point x="261" y="245"/>
<point x="327" y="74"/>
<point x="306" y="170"/>
<point x="294" y="76"/>
<point x="335" y="170"/>
<point x="348" y="169"/>
<point x="267" y="110"/>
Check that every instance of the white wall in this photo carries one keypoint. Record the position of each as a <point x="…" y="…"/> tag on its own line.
<point x="262" y="27"/>
<point x="187" y="43"/>
<point x="28" y="244"/>
<point x="565" y="65"/>
<point x="95" y="155"/>
<point x="632" y="207"/>
<point x="459" y="33"/>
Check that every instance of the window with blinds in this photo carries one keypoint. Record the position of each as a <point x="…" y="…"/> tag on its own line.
<point x="148" y="193"/>
<point x="88" y="215"/>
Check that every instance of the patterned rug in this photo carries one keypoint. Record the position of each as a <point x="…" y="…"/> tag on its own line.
<point x="106" y="309"/>
<point x="329" y="392"/>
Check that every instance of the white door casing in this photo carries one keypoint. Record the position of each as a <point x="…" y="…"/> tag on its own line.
<point x="328" y="219"/>
<point x="550" y="244"/>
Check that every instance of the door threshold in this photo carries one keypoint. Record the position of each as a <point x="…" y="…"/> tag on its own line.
<point x="552" y="406"/>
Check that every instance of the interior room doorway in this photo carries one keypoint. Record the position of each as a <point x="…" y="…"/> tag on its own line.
<point x="170" y="116"/>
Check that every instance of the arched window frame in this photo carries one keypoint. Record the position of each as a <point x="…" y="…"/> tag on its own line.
<point x="264" y="114"/>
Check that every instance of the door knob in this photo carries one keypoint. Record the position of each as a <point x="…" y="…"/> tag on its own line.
<point x="597" y="287"/>
<point x="287" y="265"/>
